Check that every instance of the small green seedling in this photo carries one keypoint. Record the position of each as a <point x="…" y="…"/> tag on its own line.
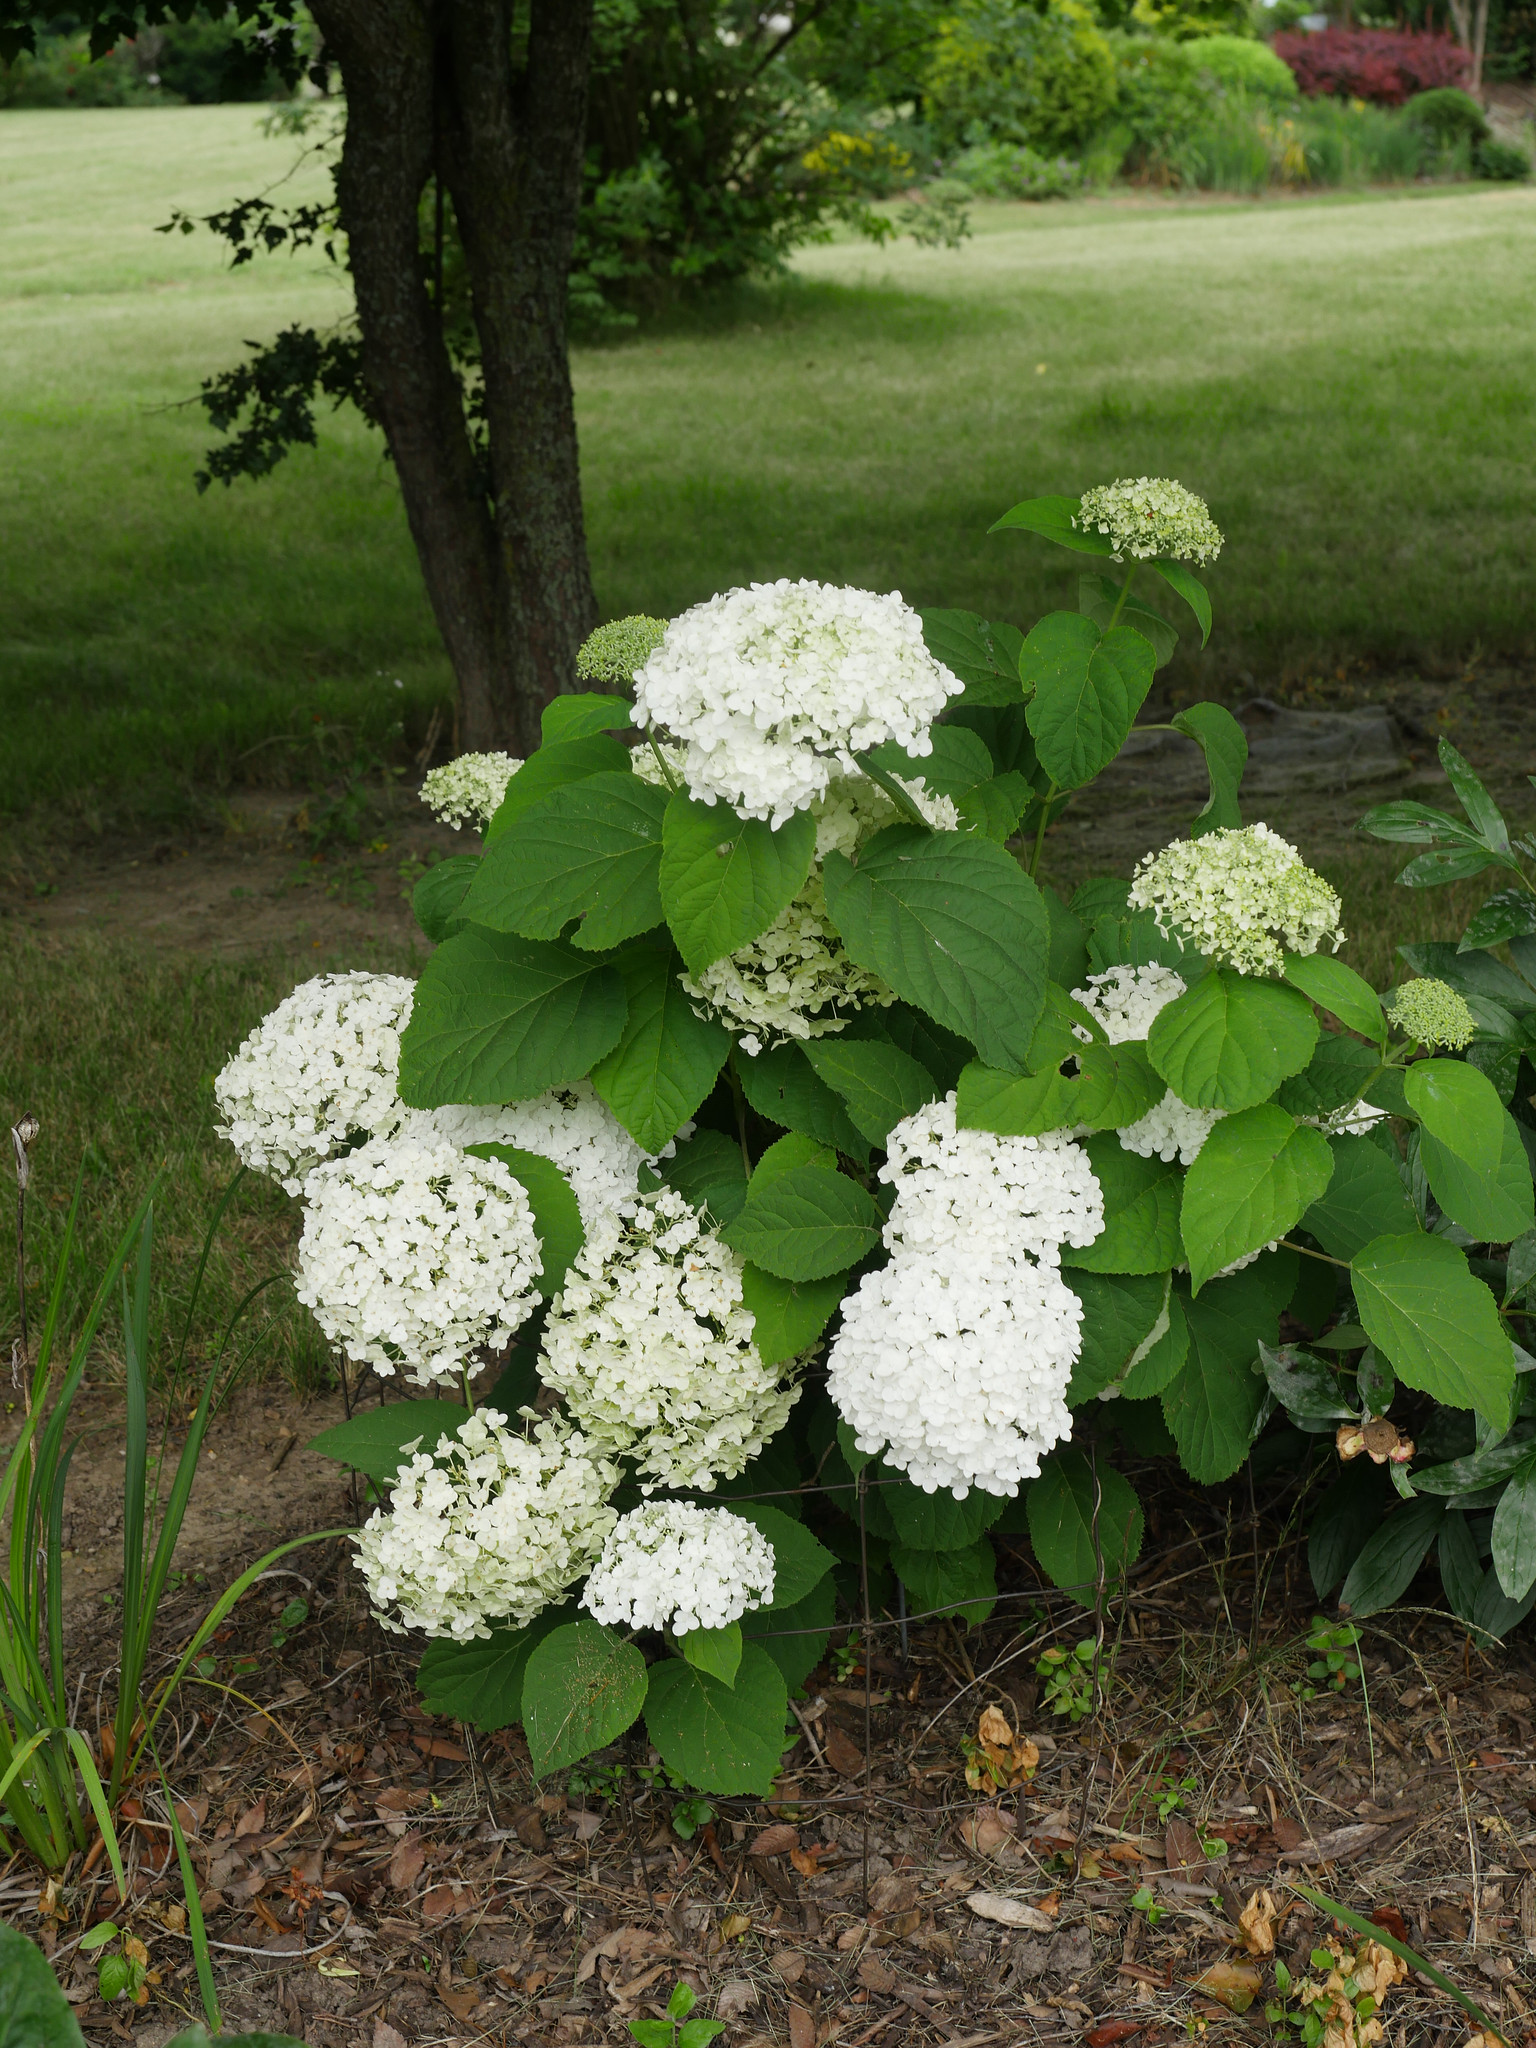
<point x="846" y="1659"/>
<point x="689" y="1815"/>
<point x="122" y="1972"/>
<point x="1332" y="1644"/>
<point x="293" y="1616"/>
<point x="676" y="2030"/>
<point x="1144" y="1900"/>
<point x="1068" y="1676"/>
<point x="596" y="1781"/>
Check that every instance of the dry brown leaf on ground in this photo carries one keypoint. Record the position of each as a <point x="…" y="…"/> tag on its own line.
<point x="1234" y="1985"/>
<point x="734" y="1997"/>
<point x="986" y="1831"/>
<point x="1257" y="1922"/>
<point x="776" y="1841"/>
<point x="877" y="1976"/>
<point x="843" y="1753"/>
<point x="1009" y="1912"/>
<point x="1181" y="1848"/>
<point x="802" y="2028"/>
<point x="407" y="1862"/>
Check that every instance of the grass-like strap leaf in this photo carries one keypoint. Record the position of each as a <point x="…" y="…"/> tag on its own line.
<point x="554" y="765"/>
<point x="1141" y="1212"/>
<point x="784" y="1085"/>
<point x="1437" y="1324"/>
<point x="714" y="1650"/>
<point x="1229" y="1041"/>
<point x="582" y="1687"/>
<point x="1191" y="589"/>
<point x="1120" y="1313"/>
<point x="879" y="1083"/>
<point x="719" y="1738"/>
<point x="374" y="1439"/>
<point x="1052" y="519"/>
<point x="1385" y="1568"/>
<point x="437" y="901"/>
<point x="806" y="1224"/>
<point x="1060" y="1507"/>
<point x="497" y="1018"/>
<point x="591" y="850"/>
<point x="788" y="1315"/>
<point x="1253" y="1179"/>
<point x="799" y="1561"/>
<point x="1365" y="1199"/>
<point x="556" y="1214"/>
<point x="1333" y="986"/>
<point x="939" y="1582"/>
<point x="708" y="1171"/>
<point x="1514" y="1532"/>
<point x="1213" y="1403"/>
<point x="725" y="879"/>
<point x="667" y="1056"/>
<point x="1495" y="1206"/>
<point x="954" y="925"/>
<point x="1087" y="689"/>
<point x="1403" y="1952"/>
<point x="984" y="657"/>
<point x="481" y="1681"/>
<point x="573" y="717"/>
<point x="1225" y="746"/>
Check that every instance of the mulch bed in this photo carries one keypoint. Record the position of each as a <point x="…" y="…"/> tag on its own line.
<point x="378" y="1877"/>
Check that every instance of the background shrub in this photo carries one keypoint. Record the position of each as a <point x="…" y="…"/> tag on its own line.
<point x="1502" y="161"/>
<point x="1004" y="71"/>
<point x="1382" y="65"/>
<point x="1449" y="115"/>
<point x="1244" y="63"/>
<point x="1008" y="170"/>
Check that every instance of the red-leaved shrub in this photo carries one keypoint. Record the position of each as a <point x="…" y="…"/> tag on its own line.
<point x="1381" y="64"/>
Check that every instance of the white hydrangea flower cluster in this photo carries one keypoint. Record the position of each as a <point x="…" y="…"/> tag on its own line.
<point x="573" y="1127"/>
<point x="494" y="1526"/>
<point x="651" y="1348"/>
<point x="1236" y="895"/>
<point x="413" y="1255"/>
<point x="774" y="687"/>
<point x="954" y="1359"/>
<point x="468" y="789"/>
<point x="318" y="1072"/>
<point x="676" y="1566"/>
<point x="1150" y="516"/>
<point x="796" y="980"/>
<point x="1125" y="1000"/>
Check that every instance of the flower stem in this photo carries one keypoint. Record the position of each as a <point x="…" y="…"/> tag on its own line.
<point x="734" y="1078"/>
<point x="1045" y="812"/>
<point x="895" y="792"/>
<point x="661" y="763"/>
<point x="1125" y="591"/>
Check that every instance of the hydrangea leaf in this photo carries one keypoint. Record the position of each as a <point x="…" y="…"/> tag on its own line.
<point x="994" y="807"/>
<point x="374" y="1439"/>
<point x="1052" y="519"/>
<point x="1120" y="1313"/>
<point x="497" y="1018"/>
<point x="556" y="1215"/>
<point x="799" y="1561"/>
<point x="1436" y="1323"/>
<point x="940" y="1582"/>
<point x="1385" y="1567"/>
<point x="591" y="850"/>
<point x="806" y="1224"/>
<point x="1212" y="1404"/>
<point x="1191" y="589"/>
<point x="570" y="760"/>
<point x="481" y="1681"/>
<point x="667" y="1057"/>
<point x="879" y="1083"/>
<point x="1338" y="1070"/>
<point x="1230" y="1040"/>
<point x="716" y="1651"/>
<point x="795" y="1637"/>
<point x="1062" y="1521"/>
<point x="1225" y="746"/>
<point x="785" y="1085"/>
<point x="582" y="712"/>
<point x="954" y="925"/>
<point x="1460" y="1108"/>
<point x="1496" y="1207"/>
<point x="33" y="2010"/>
<point x="1087" y="688"/>
<point x="937" y="1521"/>
<point x="582" y="1687"/>
<point x="984" y="657"/>
<point x="958" y="760"/>
<point x="725" y="879"/>
<point x="718" y="1738"/>
<point x="1025" y="1105"/>
<point x="708" y="1171"/>
<point x="788" y="1315"/>
<point x="1141" y="1212"/>
<point x="1160" y="1360"/>
<point x="1335" y="987"/>
<point x="1098" y="598"/>
<point x="437" y="901"/>
<point x="1365" y="1199"/>
<point x="1254" y="1178"/>
<point x="785" y="1153"/>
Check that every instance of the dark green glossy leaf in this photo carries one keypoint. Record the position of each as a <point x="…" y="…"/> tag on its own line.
<point x="788" y="1315"/>
<point x="437" y="901"/>
<point x="806" y="1224"/>
<point x="481" y="1681"/>
<point x="785" y="1085"/>
<point x="708" y="1171"/>
<point x="939" y="1582"/>
<point x="800" y="1562"/>
<point x="591" y="850"/>
<point x="879" y="1083"/>
<point x="1229" y="1041"/>
<point x="719" y="1738"/>
<point x="795" y="1637"/>
<point x="1191" y="589"/>
<point x="1212" y="1405"/>
<point x="1120" y="1313"/>
<point x="1514" y="1532"/>
<point x="1386" y="1566"/>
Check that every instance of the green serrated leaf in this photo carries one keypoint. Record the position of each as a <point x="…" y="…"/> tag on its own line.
<point x="944" y="1582"/>
<point x="994" y="808"/>
<point x="582" y="1687"/>
<point x="553" y="766"/>
<point x="725" y="879"/>
<point x="1254" y="1178"/>
<point x="437" y="901"/>
<point x="957" y="760"/>
<point x="1438" y="1326"/>
<point x="667" y="1056"/>
<point x="799" y="1561"/>
<point x="1141" y="1212"/>
<point x="978" y="653"/>
<point x="1073" y="1498"/>
<point x="719" y="1738"/>
<point x="1225" y="747"/>
<point x="1052" y="519"/>
<point x="1120" y="1314"/>
<point x="582" y="712"/>
<point x="806" y="1223"/>
<point x="879" y="1083"/>
<point x="784" y="1084"/>
<point x="374" y="1440"/>
<point x="1365" y="1199"/>
<point x="709" y="1172"/>
<point x="788" y="1315"/>
<point x="1495" y="1206"/>
<point x="1333" y="986"/>
<point x="795" y="1637"/>
<point x="1229" y="1041"/>
<point x="716" y="1651"/>
<point x="1213" y="1403"/>
<point x="1191" y="589"/>
<point x="556" y="1214"/>
<point x="1087" y="689"/>
<point x="590" y="851"/>
<point x="937" y="1521"/>
<point x="481" y="1681"/>
<point x="1098" y="598"/>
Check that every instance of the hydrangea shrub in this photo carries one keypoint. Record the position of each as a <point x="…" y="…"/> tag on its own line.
<point x="834" y="1196"/>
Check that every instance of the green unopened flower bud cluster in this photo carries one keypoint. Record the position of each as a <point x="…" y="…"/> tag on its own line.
<point x="1150" y="516"/>
<point x="1431" y="1013"/>
<point x="616" y="653"/>
<point x="1242" y="898"/>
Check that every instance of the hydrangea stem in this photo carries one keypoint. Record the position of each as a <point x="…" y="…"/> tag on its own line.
<point x="1045" y="817"/>
<point x="661" y="762"/>
<point x="895" y="792"/>
<point x="1125" y="591"/>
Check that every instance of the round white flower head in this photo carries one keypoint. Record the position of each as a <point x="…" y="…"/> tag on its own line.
<point x="1125" y="1000"/>
<point x="1430" y="1012"/>
<point x="316" y="1074"/>
<point x="413" y="1255"/>
<point x="616" y="653"/>
<point x="573" y="1127"/>
<point x="774" y="687"/>
<point x="956" y="1364"/>
<point x="676" y="1566"/>
<point x="470" y="788"/>
<point x="1241" y="897"/>
<point x="651" y="1348"/>
<point x="1150" y="516"/>
<point x="493" y="1526"/>
<point x="986" y="1195"/>
<point x="796" y="980"/>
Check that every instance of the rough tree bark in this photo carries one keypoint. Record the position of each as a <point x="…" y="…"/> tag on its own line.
<point x="437" y="89"/>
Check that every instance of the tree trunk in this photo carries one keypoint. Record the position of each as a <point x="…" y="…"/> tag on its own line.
<point x="432" y="92"/>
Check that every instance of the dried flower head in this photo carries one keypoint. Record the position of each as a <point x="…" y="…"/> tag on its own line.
<point x="1240" y="897"/>
<point x="617" y="652"/>
<point x="468" y="790"/>
<point x="1432" y="1013"/>
<point x="1150" y="516"/>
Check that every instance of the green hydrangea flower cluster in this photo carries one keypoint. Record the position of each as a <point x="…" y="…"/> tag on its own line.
<point x="1240" y="897"/>
<point x="1431" y="1013"/>
<point x="1151" y="516"/>
<point x="617" y="652"/>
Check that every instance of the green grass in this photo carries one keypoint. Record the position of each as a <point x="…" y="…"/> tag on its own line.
<point x="1350" y="380"/>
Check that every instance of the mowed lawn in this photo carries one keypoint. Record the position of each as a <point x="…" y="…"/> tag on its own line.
<point x="1350" y="381"/>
